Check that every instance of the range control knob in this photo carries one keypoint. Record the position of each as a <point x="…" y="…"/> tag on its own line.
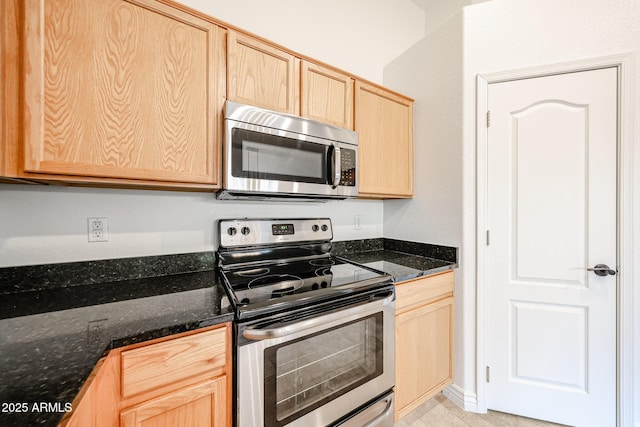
<point x="315" y="227"/>
<point x="231" y="231"/>
<point x="245" y="231"/>
<point x="324" y="227"/>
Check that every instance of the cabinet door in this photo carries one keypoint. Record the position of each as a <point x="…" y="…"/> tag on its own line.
<point x="201" y="405"/>
<point x="424" y="354"/>
<point x="121" y="89"/>
<point x="262" y="75"/>
<point x="327" y="95"/>
<point x="384" y="121"/>
<point x="97" y="405"/>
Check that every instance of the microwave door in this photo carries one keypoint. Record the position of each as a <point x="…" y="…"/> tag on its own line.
<point x="262" y="160"/>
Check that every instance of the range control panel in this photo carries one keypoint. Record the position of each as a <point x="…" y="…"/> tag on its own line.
<point x="253" y="232"/>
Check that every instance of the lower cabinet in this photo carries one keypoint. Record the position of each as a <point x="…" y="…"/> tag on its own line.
<point x="184" y="380"/>
<point x="424" y="340"/>
<point x="203" y="404"/>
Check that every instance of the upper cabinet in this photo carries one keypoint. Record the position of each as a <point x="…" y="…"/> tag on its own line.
<point x="120" y="89"/>
<point x="262" y="75"/>
<point x="130" y="93"/>
<point x="384" y="121"/>
<point x="327" y="95"/>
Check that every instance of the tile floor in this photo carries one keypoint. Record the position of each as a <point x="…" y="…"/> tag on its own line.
<point x="441" y="412"/>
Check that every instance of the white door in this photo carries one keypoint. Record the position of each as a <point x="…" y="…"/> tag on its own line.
<point x="552" y="150"/>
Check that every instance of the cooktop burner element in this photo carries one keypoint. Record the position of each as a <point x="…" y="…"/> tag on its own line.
<point x="322" y="262"/>
<point x="254" y="272"/>
<point x="275" y="284"/>
<point x="277" y="265"/>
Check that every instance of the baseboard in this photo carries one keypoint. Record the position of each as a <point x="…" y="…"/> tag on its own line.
<point x="463" y="399"/>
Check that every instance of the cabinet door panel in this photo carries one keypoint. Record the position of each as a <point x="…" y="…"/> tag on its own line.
<point x="384" y="122"/>
<point x="120" y="89"/>
<point x="202" y="405"/>
<point x="262" y="75"/>
<point x="424" y="354"/>
<point x="327" y="95"/>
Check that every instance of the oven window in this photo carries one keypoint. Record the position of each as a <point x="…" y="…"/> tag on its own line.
<point x="264" y="156"/>
<point x="304" y="374"/>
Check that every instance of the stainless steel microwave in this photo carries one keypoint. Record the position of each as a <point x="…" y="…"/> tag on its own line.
<point x="274" y="155"/>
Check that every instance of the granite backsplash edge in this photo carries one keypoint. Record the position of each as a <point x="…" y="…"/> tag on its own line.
<point x="62" y="275"/>
<point x="428" y="250"/>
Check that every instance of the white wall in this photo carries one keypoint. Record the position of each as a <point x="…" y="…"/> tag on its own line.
<point x="359" y="36"/>
<point x="499" y="35"/>
<point x="48" y="224"/>
<point x="431" y="72"/>
<point x="510" y="34"/>
<point x="40" y="225"/>
<point x="439" y="11"/>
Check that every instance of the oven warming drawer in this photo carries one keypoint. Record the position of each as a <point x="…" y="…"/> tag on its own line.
<point x="376" y="414"/>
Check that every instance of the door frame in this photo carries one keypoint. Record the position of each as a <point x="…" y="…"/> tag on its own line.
<point x="625" y="237"/>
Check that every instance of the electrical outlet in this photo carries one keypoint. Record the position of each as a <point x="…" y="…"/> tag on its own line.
<point x="98" y="229"/>
<point x="97" y="332"/>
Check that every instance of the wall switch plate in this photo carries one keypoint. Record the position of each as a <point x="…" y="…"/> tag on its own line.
<point x="357" y="222"/>
<point x="97" y="332"/>
<point x="98" y="229"/>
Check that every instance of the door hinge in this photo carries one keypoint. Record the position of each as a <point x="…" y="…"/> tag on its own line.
<point x="488" y="238"/>
<point x="488" y="118"/>
<point x="488" y="374"/>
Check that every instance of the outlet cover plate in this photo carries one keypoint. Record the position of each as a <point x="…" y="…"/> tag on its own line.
<point x="98" y="229"/>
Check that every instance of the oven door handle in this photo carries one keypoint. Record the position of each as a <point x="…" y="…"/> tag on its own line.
<point x="380" y="418"/>
<point x="258" y="334"/>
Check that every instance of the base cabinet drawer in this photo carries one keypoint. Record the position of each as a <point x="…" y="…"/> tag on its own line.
<point x="157" y="365"/>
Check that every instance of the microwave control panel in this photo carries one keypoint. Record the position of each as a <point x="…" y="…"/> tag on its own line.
<point x="348" y="167"/>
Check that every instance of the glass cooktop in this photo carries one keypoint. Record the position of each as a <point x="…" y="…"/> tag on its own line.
<point x="282" y="283"/>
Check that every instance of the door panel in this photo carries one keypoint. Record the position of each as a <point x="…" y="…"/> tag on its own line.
<point x="262" y="75"/>
<point x="121" y="89"/>
<point x="539" y="196"/>
<point x="534" y="359"/>
<point x="551" y="212"/>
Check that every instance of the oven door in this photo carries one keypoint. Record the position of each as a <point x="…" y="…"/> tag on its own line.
<point x="315" y="370"/>
<point x="266" y="161"/>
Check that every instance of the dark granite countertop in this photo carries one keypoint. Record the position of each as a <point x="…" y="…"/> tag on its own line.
<point x="403" y="260"/>
<point x="58" y="320"/>
<point x="48" y="339"/>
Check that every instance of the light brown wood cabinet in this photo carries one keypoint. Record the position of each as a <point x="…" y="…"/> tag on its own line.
<point x="203" y="404"/>
<point x="384" y="121"/>
<point x="118" y="91"/>
<point x="424" y="340"/>
<point x="97" y="404"/>
<point x="260" y="74"/>
<point x="181" y="380"/>
<point x="327" y="95"/>
<point x="130" y="93"/>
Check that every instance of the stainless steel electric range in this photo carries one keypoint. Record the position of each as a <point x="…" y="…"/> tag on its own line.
<point x="314" y="335"/>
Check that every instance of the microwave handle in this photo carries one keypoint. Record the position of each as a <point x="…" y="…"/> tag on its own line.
<point x="337" y="165"/>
